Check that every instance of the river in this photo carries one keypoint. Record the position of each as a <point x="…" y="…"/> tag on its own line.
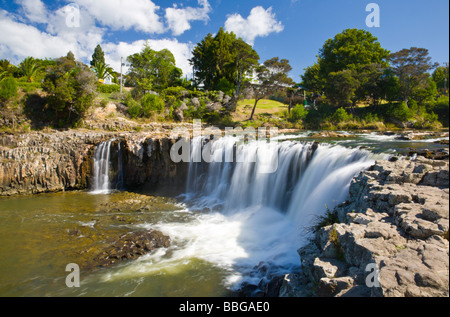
<point x="234" y="223"/>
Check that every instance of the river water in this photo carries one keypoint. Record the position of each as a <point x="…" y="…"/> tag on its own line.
<point x="235" y="222"/>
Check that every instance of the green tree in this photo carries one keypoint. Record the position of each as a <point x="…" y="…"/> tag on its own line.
<point x="352" y="56"/>
<point x="102" y="70"/>
<point x="223" y="56"/>
<point x="98" y="56"/>
<point x="271" y="76"/>
<point x="29" y="67"/>
<point x="439" y="76"/>
<point x="151" y="69"/>
<point x="352" y="49"/>
<point x="71" y="88"/>
<point x="411" y="67"/>
<point x="341" y="87"/>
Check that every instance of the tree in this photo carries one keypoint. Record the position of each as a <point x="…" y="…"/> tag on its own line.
<point x="29" y="68"/>
<point x="271" y="76"/>
<point x="151" y="69"/>
<point x="98" y="56"/>
<point x="223" y="56"/>
<point x="71" y="88"/>
<point x="263" y="88"/>
<point x="246" y="59"/>
<point x="6" y="68"/>
<point x="411" y="67"/>
<point x="341" y="87"/>
<point x="351" y="56"/>
<point x="440" y="77"/>
<point x="352" y="49"/>
<point x="103" y="70"/>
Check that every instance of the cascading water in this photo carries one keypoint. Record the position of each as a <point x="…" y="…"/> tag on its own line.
<point x="246" y="210"/>
<point x="256" y="215"/>
<point x="103" y="183"/>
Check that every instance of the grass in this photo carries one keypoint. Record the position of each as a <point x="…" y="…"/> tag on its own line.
<point x="264" y="107"/>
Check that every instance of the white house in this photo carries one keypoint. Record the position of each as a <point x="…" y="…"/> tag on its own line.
<point x="108" y="79"/>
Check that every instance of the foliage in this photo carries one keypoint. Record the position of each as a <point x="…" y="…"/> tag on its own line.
<point x="222" y="56"/>
<point x="29" y="68"/>
<point x="298" y="113"/>
<point x="348" y="67"/>
<point x="441" y="108"/>
<point x="152" y="104"/>
<point x="71" y="88"/>
<point x="341" y="116"/>
<point x="411" y="67"/>
<point x="98" y="57"/>
<point x="151" y="69"/>
<point x="108" y="89"/>
<point x="8" y="89"/>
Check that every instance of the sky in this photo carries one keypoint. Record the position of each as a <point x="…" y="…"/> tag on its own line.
<point x="290" y="29"/>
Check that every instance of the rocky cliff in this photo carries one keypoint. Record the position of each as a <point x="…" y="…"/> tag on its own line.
<point x="392" y="239"/>
<point x="41" y="162"/>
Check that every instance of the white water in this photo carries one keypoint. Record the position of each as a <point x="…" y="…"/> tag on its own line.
<point x="241" y="217"/>
<point x="101" y="181"/>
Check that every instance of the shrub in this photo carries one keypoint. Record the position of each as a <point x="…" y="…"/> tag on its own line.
<point x="8" y="89"/>
<point x="341" y="116"/>
<point x="298" y="113"/>
<point x="400" y="111"/>
<point x="441" y="107"/>
<point x="108" y="89"/>
<point x="134" y="108"/>
<point x="151" y="104"/>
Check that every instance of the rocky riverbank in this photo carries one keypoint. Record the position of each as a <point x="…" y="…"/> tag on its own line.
<point x="391" y="239"/>
<point x="43" y="162"/>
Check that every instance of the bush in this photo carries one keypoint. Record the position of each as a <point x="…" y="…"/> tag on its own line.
<point x="441" y="107"/>
<point x="341" y="116"/>
<point x="134" y="108"/>
<point x="8" y="89"/>
<point x="151" y="104"/>
<point x="108" y="89"/>
<point x="400" y="112"/>
<point x="298" y="113"/>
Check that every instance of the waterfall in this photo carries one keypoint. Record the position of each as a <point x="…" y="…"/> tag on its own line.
<point x="307" y="178"/>
<point x="257" y="217"/>
<point x="107" y="175"/>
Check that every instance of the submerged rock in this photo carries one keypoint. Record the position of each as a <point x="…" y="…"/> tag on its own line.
<point x="129" y="246"/>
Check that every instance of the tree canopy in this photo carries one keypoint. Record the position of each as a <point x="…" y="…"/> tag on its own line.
<point x="152" y="69"/>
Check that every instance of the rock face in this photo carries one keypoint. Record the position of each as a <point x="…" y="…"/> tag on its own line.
<point x="50" y="162"/>
<point x="392" y="240"/>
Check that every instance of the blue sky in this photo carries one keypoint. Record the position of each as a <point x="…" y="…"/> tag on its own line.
<point x="291" y="29"/>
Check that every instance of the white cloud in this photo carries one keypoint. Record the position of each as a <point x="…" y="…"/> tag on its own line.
<point x="139" y="15"/>
<point x="259" y="23"/>
<point x="34" y="10"/>
<point x="19" y="40"/>
<point x="181" y="52"/>
<point x="179" y="18"/>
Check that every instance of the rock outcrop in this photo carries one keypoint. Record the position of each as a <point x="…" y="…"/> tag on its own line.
<point x="41" y="162"/>
<point x="392" y="240"/>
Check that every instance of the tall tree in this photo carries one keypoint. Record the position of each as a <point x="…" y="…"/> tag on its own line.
<point x="151" y="69"/>
<point x="347" y="56"/>
<point x="71" y="88"/>
<point x="411" y="67"/>
<point x="271" y="76"/>
<point x="223" y="56"/>
<point x="98" y="56"/>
